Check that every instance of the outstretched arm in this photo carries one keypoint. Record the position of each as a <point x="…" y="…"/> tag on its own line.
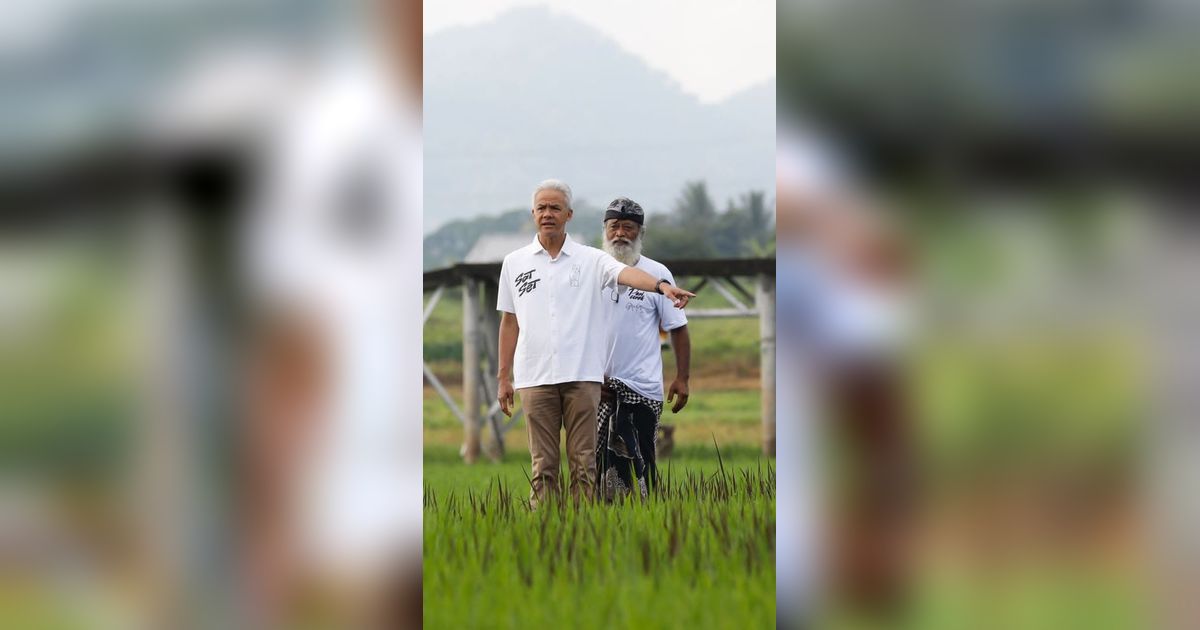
<point x="638" y="279"/>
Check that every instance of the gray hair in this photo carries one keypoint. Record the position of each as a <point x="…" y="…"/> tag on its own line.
<point x="552" y="184"/>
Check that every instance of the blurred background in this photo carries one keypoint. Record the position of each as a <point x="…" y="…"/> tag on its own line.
<point x="986" y="248"/>
<point x="205" y="207"/>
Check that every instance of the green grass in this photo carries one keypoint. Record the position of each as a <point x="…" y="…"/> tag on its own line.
<point x="1029" y="597"/>
<point x="701" y="555"/>
<point x="1032" y="597"/>
<point x="733" y="416"/>
<point x="1033" y="406"/>
<point x="705" y="406"/>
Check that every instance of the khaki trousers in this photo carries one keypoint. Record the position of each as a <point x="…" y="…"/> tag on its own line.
<point x="548" y="410"/>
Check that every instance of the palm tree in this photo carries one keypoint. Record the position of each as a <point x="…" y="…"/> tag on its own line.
<point x="694" y="209"/>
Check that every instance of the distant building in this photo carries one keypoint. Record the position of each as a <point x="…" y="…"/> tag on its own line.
<point x="492" y="248"/>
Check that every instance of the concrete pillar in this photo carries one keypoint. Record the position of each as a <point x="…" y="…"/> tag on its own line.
<point x="764" y="300"/>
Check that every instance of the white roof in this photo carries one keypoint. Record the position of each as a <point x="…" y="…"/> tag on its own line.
<point x="492" y="248"/>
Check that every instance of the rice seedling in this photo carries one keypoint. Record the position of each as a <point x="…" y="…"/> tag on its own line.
<point x="699" y="553"/>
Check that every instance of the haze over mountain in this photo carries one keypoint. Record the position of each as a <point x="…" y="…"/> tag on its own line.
<point x="533" y="94"/>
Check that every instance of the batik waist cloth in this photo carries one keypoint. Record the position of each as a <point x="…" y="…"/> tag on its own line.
<point x="616" y="393"/>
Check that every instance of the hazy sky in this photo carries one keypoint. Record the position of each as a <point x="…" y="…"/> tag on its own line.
<point x="713" y="48"/>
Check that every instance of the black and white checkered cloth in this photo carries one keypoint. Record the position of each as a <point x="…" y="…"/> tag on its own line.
<point x="606" y="433"/>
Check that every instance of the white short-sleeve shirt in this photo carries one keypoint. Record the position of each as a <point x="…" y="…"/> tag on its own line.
<point x="635" y="357"/>
<point x="336" y="222"/>
<point x="559" y="304"/>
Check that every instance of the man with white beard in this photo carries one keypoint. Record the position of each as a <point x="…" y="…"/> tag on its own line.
<point x="553" y="339"/>
<point x="631" y="400"/>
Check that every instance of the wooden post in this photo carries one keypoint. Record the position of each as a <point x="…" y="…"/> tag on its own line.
<point x="491" y="343"/>
<point x="470" y="370"/>
<point x="764" y="300"/>
<point x="491" y="329"/>
<point x="164" y="463"/>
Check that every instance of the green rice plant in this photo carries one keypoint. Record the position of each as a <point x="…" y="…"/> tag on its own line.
<point x="699" y="553"/>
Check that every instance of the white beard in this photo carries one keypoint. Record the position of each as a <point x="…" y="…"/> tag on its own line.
<point x="628" y="254"/>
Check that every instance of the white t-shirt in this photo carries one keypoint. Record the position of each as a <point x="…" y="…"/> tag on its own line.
<point x="560" y="309"/>
<point x="634" y="355"/>
<point x="337" y="224"/>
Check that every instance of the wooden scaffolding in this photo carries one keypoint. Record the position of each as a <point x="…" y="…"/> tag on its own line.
<point x="480" y="410"/>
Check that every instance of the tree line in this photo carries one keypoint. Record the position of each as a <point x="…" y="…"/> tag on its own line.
<point x="692" y="228"/>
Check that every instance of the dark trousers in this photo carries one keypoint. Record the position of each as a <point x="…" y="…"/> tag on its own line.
<point x="637" y="425"/>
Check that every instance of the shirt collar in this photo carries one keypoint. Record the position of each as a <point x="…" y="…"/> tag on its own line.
<point x="568" y="248"/>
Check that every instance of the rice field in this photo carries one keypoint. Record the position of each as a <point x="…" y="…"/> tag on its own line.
<point x="700" y="554"/>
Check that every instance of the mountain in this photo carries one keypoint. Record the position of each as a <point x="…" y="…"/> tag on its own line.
<point x="534" y="94"/>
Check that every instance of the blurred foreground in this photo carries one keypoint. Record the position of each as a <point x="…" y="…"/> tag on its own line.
<point x="987" y="258"/>
<point x="205" y="349"/>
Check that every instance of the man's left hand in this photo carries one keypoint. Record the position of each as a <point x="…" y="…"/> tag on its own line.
<point x="679" y="393"/>
<point x="678" y="296"/>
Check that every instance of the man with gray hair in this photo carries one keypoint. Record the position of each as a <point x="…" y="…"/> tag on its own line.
<point x="554" y="328"/>
<point x="631" y="401"/>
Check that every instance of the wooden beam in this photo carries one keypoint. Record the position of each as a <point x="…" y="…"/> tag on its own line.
<point x="712" y="313"/>
<point x="490" y="330"/>
<point x="441" y="390"/>
<point x="765" y="300"/>
<point x="487" y="390"/>
<point x="470" y="369"/>
<point x="728" y="295"/>
<point x="433" y="301"/>
<point x="165" y="458"/>
<point x="746" y="295"/>
<point x="511" y="422"/>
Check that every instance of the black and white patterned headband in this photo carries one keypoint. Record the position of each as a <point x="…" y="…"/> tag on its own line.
<point x="624" y="208"/>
